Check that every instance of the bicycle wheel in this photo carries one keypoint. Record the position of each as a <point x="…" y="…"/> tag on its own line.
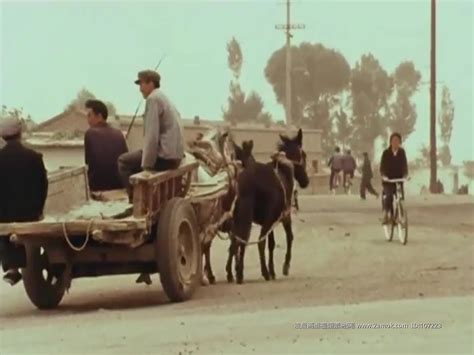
<point x="402" y="224"/>
<point x="389" y="229"/>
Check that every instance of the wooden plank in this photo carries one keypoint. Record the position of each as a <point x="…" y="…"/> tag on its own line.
<point x="67" y="190"/>
<point x="112" y="195"/>
<point x="139" y="200"/>
<point x="206" y="195"/>
<point x="65" y="173"/>
<point x="73" y="227"/>
<point x="159" y="177"/>
<point x="111" y="254"/>
<point x="131" y="239"/>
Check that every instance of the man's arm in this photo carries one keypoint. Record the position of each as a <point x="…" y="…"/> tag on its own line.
<point x="383" y="163"/>
<point x="88" y="156"/>
<point x="405" y="164"/>
<point x="40" y="179"/>
<point x="330" y="160"/>
<point x="152" y="133"/>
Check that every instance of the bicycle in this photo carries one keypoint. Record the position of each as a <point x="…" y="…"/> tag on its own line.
<point x="399" y="218"/>
<point x="347" y="183"/>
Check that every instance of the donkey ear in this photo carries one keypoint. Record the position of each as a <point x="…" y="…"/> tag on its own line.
<point x="251" y="144"/>
<point x="284" y="138"/>
<point x="299" y="137"/>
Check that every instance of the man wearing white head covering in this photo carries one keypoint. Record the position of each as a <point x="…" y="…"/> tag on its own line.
<point x="23" y="191"/>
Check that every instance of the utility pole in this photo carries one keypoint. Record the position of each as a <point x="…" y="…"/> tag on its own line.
<point x="433" y="160"/>
<point x="288" y="27"/>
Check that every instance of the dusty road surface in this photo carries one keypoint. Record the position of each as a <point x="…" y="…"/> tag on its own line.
<point x="343" y="271"/>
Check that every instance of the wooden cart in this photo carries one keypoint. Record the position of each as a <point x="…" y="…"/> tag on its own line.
<point x="161" y="231"/>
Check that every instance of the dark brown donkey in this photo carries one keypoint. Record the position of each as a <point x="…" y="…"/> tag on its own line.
<point x="264" y="197"/>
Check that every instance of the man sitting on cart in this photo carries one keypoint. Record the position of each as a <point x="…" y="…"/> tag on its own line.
<point x="103" y="145"/>
<point x="23" y="191"/>
<point x="163" y="146"/>
<point x="393" y="165"/>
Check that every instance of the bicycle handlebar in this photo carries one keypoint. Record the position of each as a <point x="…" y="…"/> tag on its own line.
<point x="394" y="181"/>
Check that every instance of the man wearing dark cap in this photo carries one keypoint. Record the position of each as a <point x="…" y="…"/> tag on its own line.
<point x="23" y="191"/>
<point x="393" y="165"/>
<point x="163" y="146"/>
<point x="103" y="145"/>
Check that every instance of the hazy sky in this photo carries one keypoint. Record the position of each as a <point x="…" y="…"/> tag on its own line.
<point x="50" y="50"/>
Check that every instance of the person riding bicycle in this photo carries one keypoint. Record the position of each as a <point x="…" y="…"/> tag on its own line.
<point x="348" y="166"/>
<point x="393" y="165"/>
<point x="335" y="163"/>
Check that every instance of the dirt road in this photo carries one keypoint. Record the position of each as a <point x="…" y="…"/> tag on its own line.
<point x="342" y="271"/>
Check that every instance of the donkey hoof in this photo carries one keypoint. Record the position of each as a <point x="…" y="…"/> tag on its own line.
<point x="286" y="269"/>
<point x="240" y="281"/>
<point x="212" y="279"/>
<point x="272" y="275"/>
<point x="230" y="278"/>
<point x="204" y="281"/>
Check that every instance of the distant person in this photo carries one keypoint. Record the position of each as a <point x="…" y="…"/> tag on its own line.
<point x="439" y="187"/>
<point x="103" y="146"/>
<point x="163" y="145"/>
<point x="23" y="191"/>
<point x="348" y="167"/>
<point x="335" y="164"/>
<point x="393" y="165"/>
<point x="367" y="175"/>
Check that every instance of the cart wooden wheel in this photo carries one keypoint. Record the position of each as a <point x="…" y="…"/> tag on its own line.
<point x="178" y="250"/>
<point x="44" y="284"/>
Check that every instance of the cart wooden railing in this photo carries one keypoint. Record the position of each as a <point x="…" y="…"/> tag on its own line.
<point x="152" y="190"/>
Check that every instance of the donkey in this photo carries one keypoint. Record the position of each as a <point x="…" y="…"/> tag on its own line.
<point x="264" y="196"/>
<point x="221" y="155"/>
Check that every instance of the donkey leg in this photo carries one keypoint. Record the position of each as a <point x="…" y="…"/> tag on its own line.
<point x="232" y="253"/>
<point x="271" y="248"/>
<point x="263" y="266"/>
<point x="207" y="266"/>
<point x="239" y="265"/>
<point x="242" y="226"/>
<point x="289" y="243"/>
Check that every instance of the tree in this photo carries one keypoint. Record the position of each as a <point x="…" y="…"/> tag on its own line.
<point x="80" y="101"/>
<point x="371" y="88"/>
<point x="241" y="108"/>
<point x="444" y="155"/>
<point x="319" y="74"/>
<point x="234" y="57"/>
<point x="403" y="116"/>
<point x="445" y="121"/>
<point x="27" y="122"/>
<point x="469" y="169"/>
<point x="343" y="127"/>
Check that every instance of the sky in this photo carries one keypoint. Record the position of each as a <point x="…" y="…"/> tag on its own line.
<point x="51" y="50"/>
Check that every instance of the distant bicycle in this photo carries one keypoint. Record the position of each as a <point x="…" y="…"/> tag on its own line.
<point x="399" y="217"/>
<point x="348" y="183"/>
<point x="336" y="181"/>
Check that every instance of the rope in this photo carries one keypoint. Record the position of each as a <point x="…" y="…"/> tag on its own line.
<point x="71" y="245"/>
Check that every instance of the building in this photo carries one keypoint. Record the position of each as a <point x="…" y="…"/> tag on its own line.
<point x="68" y="149"/>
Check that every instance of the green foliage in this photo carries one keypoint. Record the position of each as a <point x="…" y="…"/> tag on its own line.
<point x="403" y="111"/>
<point x="469" y="169"/>
<point x="319" y="74"/>
<point x="444" y="155"/>
<point x="446" y="116"/>
<point x="81" y="98"/>
<point x="234" y="57"/>
<point x="241" y="107"/>
<point x="28" y="124"/>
